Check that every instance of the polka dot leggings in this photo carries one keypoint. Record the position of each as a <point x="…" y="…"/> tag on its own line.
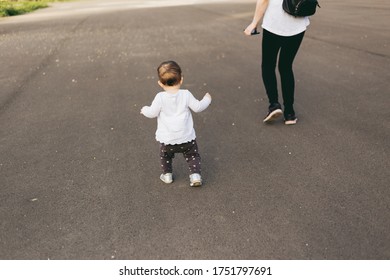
<point x="189" y="151"/>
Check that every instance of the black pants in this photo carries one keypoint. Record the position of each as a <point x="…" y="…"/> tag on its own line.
<point x="189" y="151"/>
<point x="287" y="48"/>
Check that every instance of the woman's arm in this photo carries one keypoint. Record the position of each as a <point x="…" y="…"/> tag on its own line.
<point x="261" y="6"/>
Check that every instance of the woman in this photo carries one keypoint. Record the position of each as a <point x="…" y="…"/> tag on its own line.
<point x="282" y="35"/>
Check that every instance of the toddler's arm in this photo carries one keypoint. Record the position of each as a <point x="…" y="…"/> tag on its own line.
<point x="153" y="110"/>
<point x="198" y="106"/>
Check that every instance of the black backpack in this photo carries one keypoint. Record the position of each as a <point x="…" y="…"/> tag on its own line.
<point x="300" y="8"/>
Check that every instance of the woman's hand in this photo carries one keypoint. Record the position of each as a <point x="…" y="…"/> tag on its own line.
<point x="261" y="7"/>
<point x="248" y="31"/>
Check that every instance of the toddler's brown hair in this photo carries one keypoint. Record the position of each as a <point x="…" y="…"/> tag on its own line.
<point x="169" y="73"/>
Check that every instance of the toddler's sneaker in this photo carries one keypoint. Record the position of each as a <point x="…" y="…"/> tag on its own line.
<point x="274" y="112"/>
<point x="166" y="178"/>
<point x="290" y="119"/>
<point x="195" y="180"/>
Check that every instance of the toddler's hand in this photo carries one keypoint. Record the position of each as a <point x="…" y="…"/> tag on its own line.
<point x="208" y="96"/>
<point x="142" y="109"/>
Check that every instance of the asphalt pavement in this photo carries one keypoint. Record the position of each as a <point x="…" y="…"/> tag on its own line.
<point x="79" y="165"/>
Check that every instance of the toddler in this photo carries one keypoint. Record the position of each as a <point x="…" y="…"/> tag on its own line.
<point x="175" y="128"/>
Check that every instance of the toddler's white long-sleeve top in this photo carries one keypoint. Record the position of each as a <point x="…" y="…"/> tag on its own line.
<point x="174" y="119"/>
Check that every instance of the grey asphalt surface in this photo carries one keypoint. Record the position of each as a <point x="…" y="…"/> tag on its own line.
<point x="79" y="166"/>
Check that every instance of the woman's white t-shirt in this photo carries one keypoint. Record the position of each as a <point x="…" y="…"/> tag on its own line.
<point x="277" y="21"/>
